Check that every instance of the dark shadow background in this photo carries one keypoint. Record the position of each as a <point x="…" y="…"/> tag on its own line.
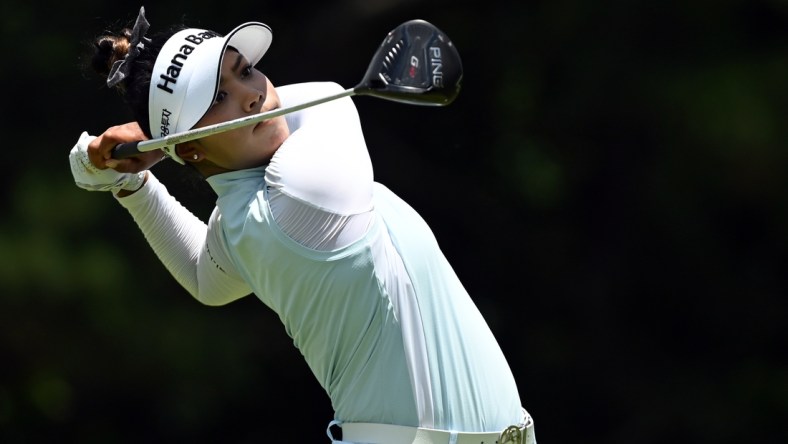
<point x="610" y="186"/>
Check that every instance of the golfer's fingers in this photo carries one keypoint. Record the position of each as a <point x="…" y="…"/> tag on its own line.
<point x="100" y="150"/>
<point x="139" y="162"/>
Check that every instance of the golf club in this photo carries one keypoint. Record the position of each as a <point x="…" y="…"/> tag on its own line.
<point x="415" y="64"/>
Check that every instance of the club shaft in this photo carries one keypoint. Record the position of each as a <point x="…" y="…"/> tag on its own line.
<point x="130" y="149"/>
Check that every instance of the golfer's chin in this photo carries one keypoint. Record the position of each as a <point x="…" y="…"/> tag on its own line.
<point x="274" y="135"/>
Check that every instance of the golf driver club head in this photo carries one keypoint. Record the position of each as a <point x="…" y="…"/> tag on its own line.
<point x="416" y="64"/>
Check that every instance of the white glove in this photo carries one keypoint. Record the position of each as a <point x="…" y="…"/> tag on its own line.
<point x="87" y="176"/>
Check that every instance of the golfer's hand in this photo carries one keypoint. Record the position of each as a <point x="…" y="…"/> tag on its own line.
<point x="92" y="178"/>
<point x="100" y="150"/>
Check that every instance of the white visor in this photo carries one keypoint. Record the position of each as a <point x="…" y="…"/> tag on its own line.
<point x="185" y="78"/>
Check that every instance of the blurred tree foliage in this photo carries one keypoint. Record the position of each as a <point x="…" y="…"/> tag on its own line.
<point x="610" y="186"/>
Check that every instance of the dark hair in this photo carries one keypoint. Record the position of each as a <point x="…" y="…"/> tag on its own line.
<point x="134" y="88"/>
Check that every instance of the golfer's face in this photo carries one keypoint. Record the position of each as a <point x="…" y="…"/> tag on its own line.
<point x="243" y="90"/>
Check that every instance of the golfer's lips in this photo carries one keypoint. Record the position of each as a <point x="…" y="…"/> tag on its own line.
<point x="263" y="122"/>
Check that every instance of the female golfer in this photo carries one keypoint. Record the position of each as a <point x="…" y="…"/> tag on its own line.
<point x="353" y="272"/>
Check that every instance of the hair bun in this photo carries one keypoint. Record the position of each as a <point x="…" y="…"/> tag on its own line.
<point x="109" y="49"/>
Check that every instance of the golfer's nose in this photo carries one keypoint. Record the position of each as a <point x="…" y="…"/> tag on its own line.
<point x="253" y="100"/>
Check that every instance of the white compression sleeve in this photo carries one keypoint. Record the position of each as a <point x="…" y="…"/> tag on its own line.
<point x="321" y="178"/>
<point x="189" y="249"/>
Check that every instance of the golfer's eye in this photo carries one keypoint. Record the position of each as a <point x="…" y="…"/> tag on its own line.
<point x="246" y="72"/>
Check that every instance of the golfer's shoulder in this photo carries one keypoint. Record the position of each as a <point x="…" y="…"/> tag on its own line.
<point x="296" y="93"/>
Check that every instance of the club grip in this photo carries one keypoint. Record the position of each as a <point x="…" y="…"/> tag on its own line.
<point x="124" y="150"/>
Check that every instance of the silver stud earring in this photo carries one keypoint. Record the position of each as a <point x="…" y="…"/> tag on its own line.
<point x="196" y="157"/>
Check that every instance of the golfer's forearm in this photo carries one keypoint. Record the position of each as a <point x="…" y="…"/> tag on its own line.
<point x="175" y="234"/>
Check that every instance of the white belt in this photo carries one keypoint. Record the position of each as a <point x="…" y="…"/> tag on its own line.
<point x="367" y="433"/>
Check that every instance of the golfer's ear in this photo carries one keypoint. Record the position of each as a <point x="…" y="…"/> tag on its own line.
<point x="189" y="151"/>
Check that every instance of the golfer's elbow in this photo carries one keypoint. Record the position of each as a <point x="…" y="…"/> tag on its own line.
<point x="217" y="298"/>
<point x="210" y="299"/>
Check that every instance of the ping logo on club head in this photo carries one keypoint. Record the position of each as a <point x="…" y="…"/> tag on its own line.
<point x="414" y="67"/>
<point x="436" y="65"/>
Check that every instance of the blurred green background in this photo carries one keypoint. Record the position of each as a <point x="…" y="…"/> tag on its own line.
<point x="610" y="186"/>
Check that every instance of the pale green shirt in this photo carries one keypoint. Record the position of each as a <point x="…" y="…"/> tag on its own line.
<point x="379" y="315"/>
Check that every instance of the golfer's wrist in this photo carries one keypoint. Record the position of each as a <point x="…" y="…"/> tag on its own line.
<point x="124" y="192"/>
